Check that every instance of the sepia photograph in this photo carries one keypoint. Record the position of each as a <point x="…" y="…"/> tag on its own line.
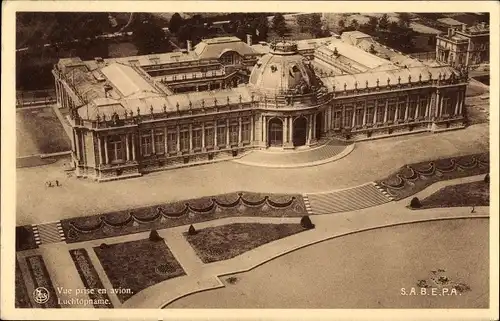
<point x="169" y="159"/>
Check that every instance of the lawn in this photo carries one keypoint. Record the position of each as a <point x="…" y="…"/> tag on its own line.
<point x="22" y="299"/>
<point x="182" y="213"/>
<point x="41" y="278"/>
<point x="134" y="266"/>
<point x="413" y="178"/>
<point x="25" y="239"/>
<point x="39" y="131"/>
<point x="90" y="278"/>
<point x="227" y="241"/>
<point x="460" y="195"/>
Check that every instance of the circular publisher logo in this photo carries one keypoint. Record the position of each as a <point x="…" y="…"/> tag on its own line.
<point x="41" y="295"/>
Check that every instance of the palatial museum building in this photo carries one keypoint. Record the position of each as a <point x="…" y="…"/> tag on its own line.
<point x="225" y="97"/>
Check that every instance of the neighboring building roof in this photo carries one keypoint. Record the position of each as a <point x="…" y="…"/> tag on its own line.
<point x="450" y="21"/>
<point x="356" y="54"/>
<point x="418" y="27"/>
<point x="355" y="37"/>
<point x="126" y="80"/>
<point x="351" y="79"/>
<point x="213" y="48"/>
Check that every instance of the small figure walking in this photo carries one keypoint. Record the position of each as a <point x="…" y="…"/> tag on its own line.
<point x="50" y="184"/>
<point x="473" y="210"/>
<point x="57" y="183"/>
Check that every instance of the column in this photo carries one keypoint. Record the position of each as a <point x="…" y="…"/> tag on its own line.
<point x="353" y="122"/>
<point x="99" y="147"/>
<point x="462" y="100"/>
<point x="285" y="130"/>
<point x="133" y="147"/>
<point x="364" y="115"/>
<point x="178" y="147"/>
<point x="215" y="134"/>
<point x="57" y="89"/>
<point x="106" y="149"/>
<point x="203" y="136"/>
<point x="457" y="104"/>
<point x="84" y="154"/>
<point x="165" y="136"/>
<point x="239" y="131"/>
<point x="375" y="112"/>
<point x="190" y="137"/>
<point x="309" y="129"/>
<point x="438" y="104"/>
<point x="264" y="130"/>
<point x="290" y="131"/>
<point x="407" y="106"/>
<point x="77" y="145"/>
<point x="228" y="144"/>
<point x="153" y="141"/>
<point x="386" y="110"/>
<point x="128" y="148"/>
<point x="252" y="124"/>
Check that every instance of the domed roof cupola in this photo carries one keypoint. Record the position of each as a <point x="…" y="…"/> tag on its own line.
<point x="283" y="71"/>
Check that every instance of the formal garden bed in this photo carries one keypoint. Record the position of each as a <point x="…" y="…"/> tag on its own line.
<point x="182" y="213"/>
<point x="22" y="299"/>
<point x="224" y="242"/>
<point x="460" y="195"/>
<point x="413" y="178"/>
<point x="90" y="279"/>
<point x="41" y="278"/>
<point x="25" y="239"/>
<point x="136" y="265"/>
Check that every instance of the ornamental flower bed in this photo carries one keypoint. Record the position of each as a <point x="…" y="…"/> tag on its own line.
<point x="413" y="178"/>
<point x="90" y="278"/>
<point x="227" y="241"/>
<point x="22" y="299"/>
<point x="162" y="216"/>
<point x="41" y="278"/>
<point x="136" y="265"/>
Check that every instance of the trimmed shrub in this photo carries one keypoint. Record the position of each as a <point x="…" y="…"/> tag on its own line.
<point x="192" y="230"/>
<point x="487" y="178"/>
<point x="103" y="246"/>
<point x="306" y="223"/>
<point x="415" y="203"/>
<point x="154" y="236"/>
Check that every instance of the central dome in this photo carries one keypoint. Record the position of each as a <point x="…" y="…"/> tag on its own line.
<point x="283" y="71"/>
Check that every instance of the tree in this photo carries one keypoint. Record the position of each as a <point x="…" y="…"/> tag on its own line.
<point x="306" y="223"/>
<point x="279" y="24"/>
<point x="341" y="24"/>
<point x="192" y="230"/>
<point x="404" y="20"/>
<point x="154" y="236"/>
<point x="302" y="22"/>
<point x="415" y="203"/>
<point x="487" y="178"/>
<point x="383" y="22"/>
<point x="175" y="22"/>
<point x="372" y="23"/>
<point x="148" y="36"/>
<point x="354" y="24"/>
<point x="315" y="25"/>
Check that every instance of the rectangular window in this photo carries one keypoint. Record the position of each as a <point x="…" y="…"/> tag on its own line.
<point x="233" y="134"/>
<point x="245" y="132"/>
<point x="380" y="111"/>
<point x="391" y="110"/>
<point x="115" y="148"/>
<point x="147" y="148"/>
<point x="209" y="137"/>
<point x="221" y="134"/>
<point x="348" y="118"/>
<point x="401" y="108"/>
<point x="412" y="108"/>
<point x="160" y="142"/>
<point x="447" y="106"/>
<point x="359" y="117"/>
<point x="184" y="141"/>
<point x="422" y="107"/>
<point x="172" y="142"/>
<point x="197" y="138"/>
<point x="337" y="119"/>
<point x="369" y="115"/>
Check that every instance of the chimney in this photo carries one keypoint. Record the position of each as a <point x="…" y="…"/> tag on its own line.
<point x="249" y="40"/>
<point x="464" y="27"/>
<point x="189" y="45"/>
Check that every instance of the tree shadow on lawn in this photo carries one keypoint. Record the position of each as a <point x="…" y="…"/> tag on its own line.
<point x="136" y="265"/>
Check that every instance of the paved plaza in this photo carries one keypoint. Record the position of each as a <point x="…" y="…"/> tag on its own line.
<point x="368" y="161"/>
